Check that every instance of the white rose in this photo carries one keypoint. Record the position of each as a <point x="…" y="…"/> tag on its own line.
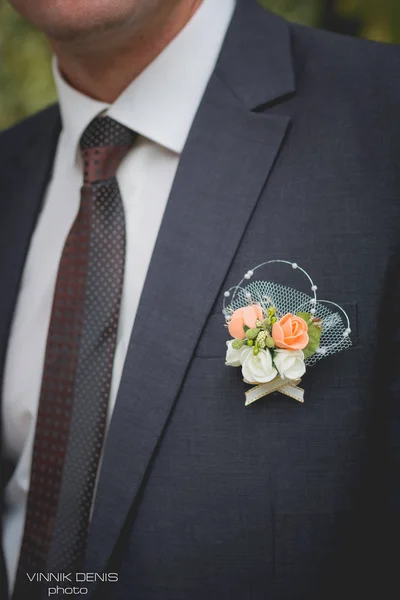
<point x="290" y="363"/>
<point x="234" y="357"/>
<point x="258" y="368"/>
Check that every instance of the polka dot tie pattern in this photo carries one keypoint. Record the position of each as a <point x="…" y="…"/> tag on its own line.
<point x="77" y="368"/>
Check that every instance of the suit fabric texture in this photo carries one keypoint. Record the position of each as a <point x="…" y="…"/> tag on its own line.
<point x="294" y="154"/>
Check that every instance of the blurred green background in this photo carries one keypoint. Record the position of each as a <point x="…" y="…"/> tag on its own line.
<point x="25" y="75"/>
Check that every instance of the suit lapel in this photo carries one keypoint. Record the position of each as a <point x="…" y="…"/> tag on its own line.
<point x="225" y="164"/>
<point x="26" y="164"/>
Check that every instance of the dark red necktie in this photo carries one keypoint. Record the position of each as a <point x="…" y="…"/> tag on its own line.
<point x="78" y="366"/>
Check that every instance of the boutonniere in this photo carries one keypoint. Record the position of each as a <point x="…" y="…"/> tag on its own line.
<point x="279" y="331"/>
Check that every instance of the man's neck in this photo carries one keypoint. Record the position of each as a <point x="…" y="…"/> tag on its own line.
<point x="103" y="65"/>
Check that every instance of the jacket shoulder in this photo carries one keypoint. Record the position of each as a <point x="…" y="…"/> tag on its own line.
<point x="23" y="133"/>
<point x="345" y="57"/>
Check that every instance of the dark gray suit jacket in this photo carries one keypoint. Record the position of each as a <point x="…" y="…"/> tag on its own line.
<point x="294" y="154"/>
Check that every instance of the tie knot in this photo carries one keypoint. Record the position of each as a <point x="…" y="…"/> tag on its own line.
<point x="103" y="145"/>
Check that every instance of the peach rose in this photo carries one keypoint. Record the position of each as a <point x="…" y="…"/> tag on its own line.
<point x="248" y="316"/>
<point x="290" y="332"/>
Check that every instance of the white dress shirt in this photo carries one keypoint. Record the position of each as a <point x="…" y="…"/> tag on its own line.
<point x="160" y="105"/>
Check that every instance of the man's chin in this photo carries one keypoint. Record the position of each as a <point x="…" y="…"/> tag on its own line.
<point x="70" y="20"/>
<point x="84" y="31"/>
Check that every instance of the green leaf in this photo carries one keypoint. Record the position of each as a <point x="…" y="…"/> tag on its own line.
<point x="251" y="334"/>
<point x="307" y="317"/>
<point x="314" y="334"/>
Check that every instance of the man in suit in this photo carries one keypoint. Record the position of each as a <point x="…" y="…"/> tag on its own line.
<point x="207" y="137"/>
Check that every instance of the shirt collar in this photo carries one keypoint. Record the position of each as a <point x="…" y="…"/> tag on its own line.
<point x="161" y="103"/>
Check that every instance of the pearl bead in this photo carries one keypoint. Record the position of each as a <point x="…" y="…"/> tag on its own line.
<point x="314" y="288"/>
<point x="313" y="311"/>
<point x="313" y="301"/>
<point x="227" y="294"/>
<point x="294" y="265"/>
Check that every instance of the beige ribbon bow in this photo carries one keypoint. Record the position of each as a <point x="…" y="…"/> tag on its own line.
<point x="284" y="386"/>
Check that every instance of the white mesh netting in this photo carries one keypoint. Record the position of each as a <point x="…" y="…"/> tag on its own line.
<point x="335" y="324"/>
